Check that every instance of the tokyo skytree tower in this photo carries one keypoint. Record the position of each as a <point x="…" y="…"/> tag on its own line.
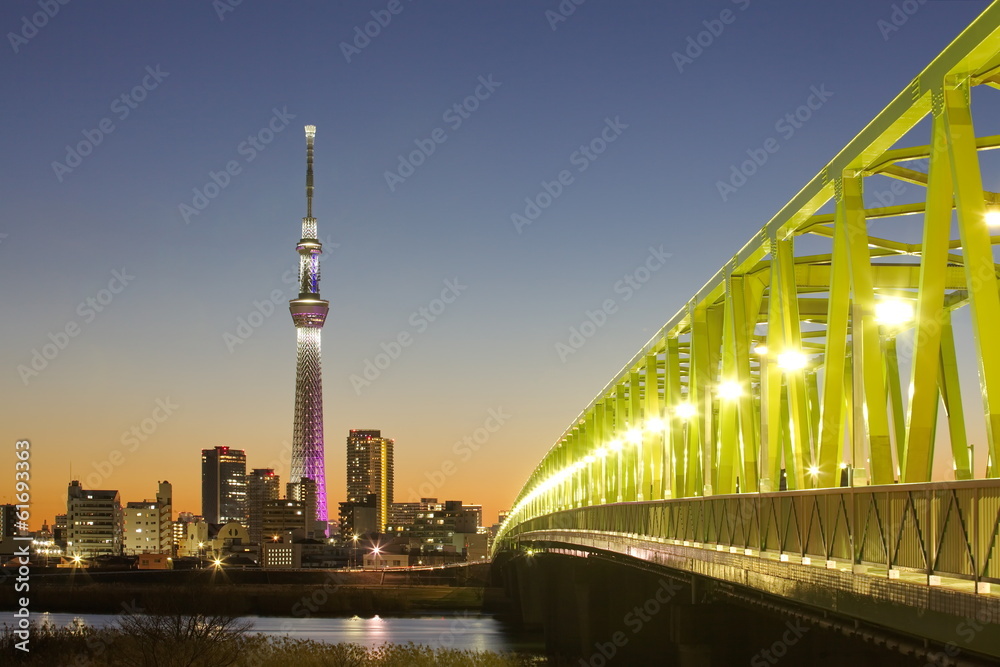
<point x="309" y="314"/>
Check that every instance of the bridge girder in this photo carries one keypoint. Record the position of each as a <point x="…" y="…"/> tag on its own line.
<point x="786" y="369"/>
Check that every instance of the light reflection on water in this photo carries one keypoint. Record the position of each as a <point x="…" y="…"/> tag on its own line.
<point x="460" y="631"/>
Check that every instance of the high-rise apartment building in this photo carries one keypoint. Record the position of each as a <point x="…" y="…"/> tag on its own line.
<point x="223" y="485"/>
<point x="369" y="470"/>
<point x="142" y="526"/>
<point x="262" y="485"/>
<point x="148" y="525"/>
<point x="94" y="521"/>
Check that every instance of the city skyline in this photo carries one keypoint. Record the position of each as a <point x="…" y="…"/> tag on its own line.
<point x="153" y="327"/>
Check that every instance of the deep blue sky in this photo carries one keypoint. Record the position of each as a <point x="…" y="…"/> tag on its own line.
<point x="495" y="346"/>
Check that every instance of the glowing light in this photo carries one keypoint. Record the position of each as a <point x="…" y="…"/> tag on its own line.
<point x="685" y="410"/>
<point x="730" y="390"/>
<point x="634" y="436"/>
<point x="217" y="562"/>
<point x="813" y="470"/>
<point x="616" y="445"/>
<point x="993" y="218"/>
<point x="792" y="360"/>
<point x="77" y="559"/>
<point x="893" y="312"/>
<point x="843" y="465"/>
<point x="601" y="452"/>
<point x="589" y="458"/>
<point x="761" y="350"/>
<point x="654" y="424"/>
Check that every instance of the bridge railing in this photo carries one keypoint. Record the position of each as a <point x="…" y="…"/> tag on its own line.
<point x="945" y="529"/>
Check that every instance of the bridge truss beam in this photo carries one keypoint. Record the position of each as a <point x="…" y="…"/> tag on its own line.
<point x="785" y="371"/>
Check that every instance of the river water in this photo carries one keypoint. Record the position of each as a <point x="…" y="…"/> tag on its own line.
<point x="454" y="630"/>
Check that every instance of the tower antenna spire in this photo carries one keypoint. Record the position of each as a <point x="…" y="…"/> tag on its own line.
<point x="310" y="136"/>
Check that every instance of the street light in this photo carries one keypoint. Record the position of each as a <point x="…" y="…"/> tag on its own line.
<point x="375" y="552"/>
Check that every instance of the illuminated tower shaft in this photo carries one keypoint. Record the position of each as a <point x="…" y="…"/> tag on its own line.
<point x="309" y="314"/>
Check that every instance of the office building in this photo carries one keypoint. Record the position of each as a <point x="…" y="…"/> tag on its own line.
<point x="262" y="485"/>
<point x="94" y="521"/>
<point x="8" y="521"/>
<point x="358" y="517"/>
<point x="305" y="490"/>
<point x="282" y="517"/>
<point x="223" y="484"/>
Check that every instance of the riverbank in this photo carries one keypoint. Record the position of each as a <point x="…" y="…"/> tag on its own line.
<point x="271" y="599"/>
<point x="229" y="646"/>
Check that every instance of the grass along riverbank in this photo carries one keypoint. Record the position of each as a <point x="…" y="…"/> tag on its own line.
<point x="201" y="641"/>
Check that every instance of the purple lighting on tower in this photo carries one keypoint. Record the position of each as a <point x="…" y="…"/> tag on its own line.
<point x="309" y="313"/>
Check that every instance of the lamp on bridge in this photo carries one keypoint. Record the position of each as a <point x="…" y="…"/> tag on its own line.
<point x="685" y="410"/>
<point x="992" y="217"/>
<point x="730" y="390"/>
<point x="792" y="360"/>
<point x="893" y="312"/>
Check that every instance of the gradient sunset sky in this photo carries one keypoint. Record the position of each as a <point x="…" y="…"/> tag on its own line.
<point x="212" y="75"/>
